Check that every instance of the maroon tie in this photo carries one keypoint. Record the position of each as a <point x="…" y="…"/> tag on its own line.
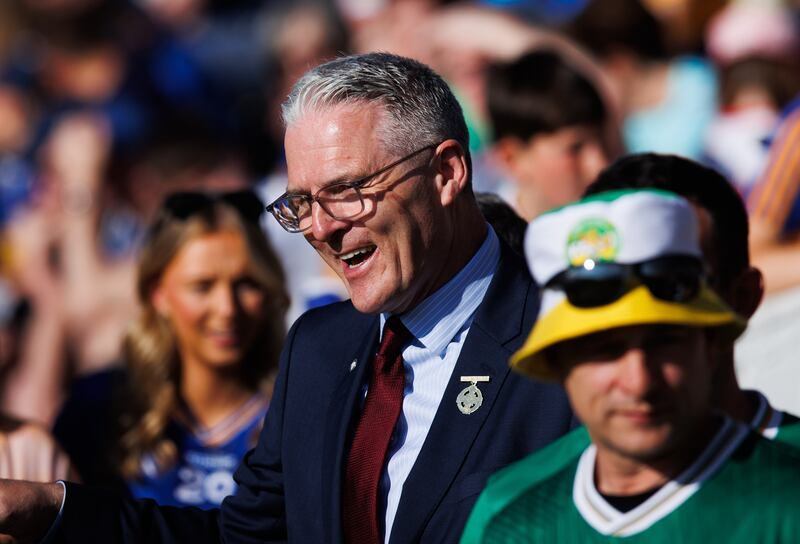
<point x="373" y="434"/>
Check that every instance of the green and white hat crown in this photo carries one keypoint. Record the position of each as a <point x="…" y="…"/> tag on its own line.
<point x="627" y="226"/>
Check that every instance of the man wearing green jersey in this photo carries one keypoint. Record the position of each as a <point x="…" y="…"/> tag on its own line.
<point x="724" y="242"/>
<point x="630" y="328"/>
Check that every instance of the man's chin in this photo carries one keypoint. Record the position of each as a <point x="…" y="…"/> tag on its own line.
<point x="647" y="448"/>
<point x="374" y="303"/>
<point x="367" y="304"/>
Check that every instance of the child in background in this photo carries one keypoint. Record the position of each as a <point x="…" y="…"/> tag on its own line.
<point x="548" y="121"/>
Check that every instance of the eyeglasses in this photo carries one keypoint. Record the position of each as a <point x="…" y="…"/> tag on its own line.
<point x="676" y="278"/>
<point x="183" y="205"/>
<point x="339" y="200"/>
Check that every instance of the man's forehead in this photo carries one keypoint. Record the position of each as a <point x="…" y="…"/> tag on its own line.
<point x="327" y="121"/>
<point x="333" y="144"/>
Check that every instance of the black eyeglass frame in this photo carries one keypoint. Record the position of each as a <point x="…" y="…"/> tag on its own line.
<point x="357" y="185"/>
<point x="672" y="278"/>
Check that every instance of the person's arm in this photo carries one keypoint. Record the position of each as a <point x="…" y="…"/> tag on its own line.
<point x="769" y="205"/>
<point x="34" y="385"/>
<point x="256" y="513"/>
<point x="28" y="509"/>
<point x="98" y="296"/>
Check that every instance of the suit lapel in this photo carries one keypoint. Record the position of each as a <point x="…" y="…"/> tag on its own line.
<point x="343" y="406"/>
<point x="498" y="320"/>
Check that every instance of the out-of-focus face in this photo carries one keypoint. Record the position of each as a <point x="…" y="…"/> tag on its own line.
<point x="554" y="168"/>
<point x="393" y="254"/>
<point x="209" y="297"/>
<point x="641" y="390"/>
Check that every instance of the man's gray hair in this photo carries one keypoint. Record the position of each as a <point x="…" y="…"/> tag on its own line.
<point x="422" y="109"/>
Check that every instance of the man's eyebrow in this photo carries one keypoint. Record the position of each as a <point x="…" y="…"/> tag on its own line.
<point x="345" y="178"/>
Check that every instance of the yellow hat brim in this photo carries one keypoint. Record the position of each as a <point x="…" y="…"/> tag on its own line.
<point x="637" y="307"/>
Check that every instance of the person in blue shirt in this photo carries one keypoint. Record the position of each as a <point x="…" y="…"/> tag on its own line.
<point x="202" y="353"/>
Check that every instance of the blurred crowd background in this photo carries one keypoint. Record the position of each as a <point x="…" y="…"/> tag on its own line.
<point x="106" y="106"/>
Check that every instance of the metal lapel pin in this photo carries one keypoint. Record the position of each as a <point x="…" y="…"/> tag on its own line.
<point x="470" y="398"/>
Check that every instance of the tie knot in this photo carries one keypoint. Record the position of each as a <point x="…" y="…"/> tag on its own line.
<point x="395" y="335"/>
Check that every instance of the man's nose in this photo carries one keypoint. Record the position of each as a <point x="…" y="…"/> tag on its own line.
<point x="324" y="225"/>
<point x="636" y="375"/>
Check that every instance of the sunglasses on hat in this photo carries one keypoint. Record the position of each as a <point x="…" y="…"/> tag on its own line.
<point x="183" y="205"/>
<point x="675" y="278"/>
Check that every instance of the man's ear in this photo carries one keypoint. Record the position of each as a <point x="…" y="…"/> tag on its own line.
<point x="452" y="173"/>
<point x="748" y="291"/>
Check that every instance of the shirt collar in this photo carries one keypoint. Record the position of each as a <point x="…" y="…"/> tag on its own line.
<point x="436" y="320"/>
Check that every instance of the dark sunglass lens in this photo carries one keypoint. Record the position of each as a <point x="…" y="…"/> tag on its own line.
<point x="246" y="202"/>
<point x="183" y="205"/>
<point x="591" y="293"/>
<point x="598" y="286"/>
<point x="678" y="288"/>
<point x="674" y="279"/>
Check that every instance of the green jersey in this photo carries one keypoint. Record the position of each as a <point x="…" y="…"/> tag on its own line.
<point x="741" y="489"/>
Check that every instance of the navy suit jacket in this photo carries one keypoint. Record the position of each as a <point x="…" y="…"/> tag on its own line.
<point x="290" y="485"/>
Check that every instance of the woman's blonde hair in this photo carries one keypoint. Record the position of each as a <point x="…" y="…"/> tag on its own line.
<point x="150" y="349"/>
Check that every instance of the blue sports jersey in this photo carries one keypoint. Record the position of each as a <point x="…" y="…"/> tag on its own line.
<point x="203" y="473"/>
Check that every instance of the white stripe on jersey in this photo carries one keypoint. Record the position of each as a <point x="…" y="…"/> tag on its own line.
<point x="608" y="520"/>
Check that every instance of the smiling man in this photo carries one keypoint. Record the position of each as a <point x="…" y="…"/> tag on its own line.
<point x="390" y="410"/>
<point x="630" y="327"/>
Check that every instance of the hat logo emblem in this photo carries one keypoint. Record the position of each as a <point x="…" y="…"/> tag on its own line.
<point x="593" y="239"/>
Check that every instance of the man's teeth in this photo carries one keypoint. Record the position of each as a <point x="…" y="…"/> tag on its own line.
<point x="348" y="256"/>
<point x="357" y="257"/>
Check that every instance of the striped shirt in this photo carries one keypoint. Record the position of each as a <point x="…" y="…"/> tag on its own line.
<point x="440" y="325"/>
<point x="774" y="197"/>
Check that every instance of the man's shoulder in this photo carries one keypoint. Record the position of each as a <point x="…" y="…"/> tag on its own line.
<point x="540" y="465"/>
<point x="323" y="342"/>
<point x="765" y="467"/>
<point x="332" y="318"/>
<point x="521" y="481"/>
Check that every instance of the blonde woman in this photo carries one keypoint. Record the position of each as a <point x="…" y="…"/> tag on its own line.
<point x="202" y="354"/>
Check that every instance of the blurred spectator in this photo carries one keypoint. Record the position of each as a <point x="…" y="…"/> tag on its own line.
<point x="684" y="21"/>
<point x="203" y="353"/>
<point x="774" y="207"/>
<point x="16" y="138"/>
<point x="460" y="40"/>
<point x="548" y="124"/>
<point x="199" y="359"/>
<point x="28" y="452"/>
<point x="304" y="35"/>
<point x="76" y="245"/>
<point x="509" y="226"/>
<point x="221" y="36"/>
<point x="667" y="103"/>
<point x="545" y="12"/>
<point x="756" y="49"/>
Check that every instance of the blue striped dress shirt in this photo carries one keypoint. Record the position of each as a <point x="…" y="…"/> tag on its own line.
<point x="440" y="325"/>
